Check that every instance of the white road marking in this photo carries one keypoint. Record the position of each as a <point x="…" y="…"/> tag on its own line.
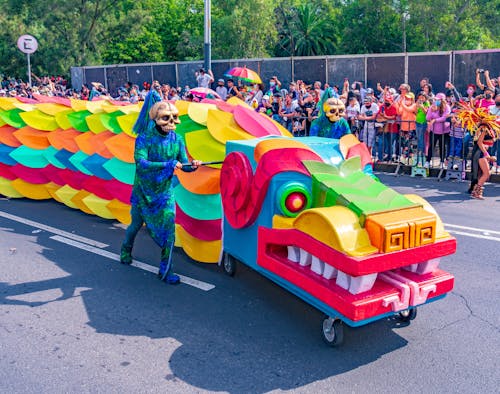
<point x="471" y="228"/>
<point x="474" y="235"/>
<point x="138" y="264"/>
<point x="52" y="230"/>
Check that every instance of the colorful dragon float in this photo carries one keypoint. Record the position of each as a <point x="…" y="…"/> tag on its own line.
<point x="308" y="213"/>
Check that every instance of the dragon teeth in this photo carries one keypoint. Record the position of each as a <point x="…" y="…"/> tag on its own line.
<point x="305" y="258"/>
<point x="317" y="265"/>
<point x="362" y="283"/>
<point x="293" y="254"/>
<point x="428" y="266"/>
<point x="343" y="280"/>
<point x="329" y="272"/>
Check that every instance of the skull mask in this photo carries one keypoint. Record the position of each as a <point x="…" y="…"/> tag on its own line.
<point x="334" y="109"/>
<point x="165" y="115"/>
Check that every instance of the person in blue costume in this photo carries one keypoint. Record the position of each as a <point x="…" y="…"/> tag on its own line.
<point x="158" y="152"/>
<point x="330" y="122"/>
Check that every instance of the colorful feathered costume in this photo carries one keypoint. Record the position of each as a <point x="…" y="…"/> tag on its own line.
<point x="158" y="149"/>
<point x="485" y="130"/>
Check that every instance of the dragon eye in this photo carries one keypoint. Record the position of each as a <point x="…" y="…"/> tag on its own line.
<point x="295" y="202"/>
<point x="293" y="198"/>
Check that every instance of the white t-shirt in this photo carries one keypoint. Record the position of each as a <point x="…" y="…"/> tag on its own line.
<point x="352" y="110"/>
<point x="369" y="111"/>
<point x="203" y="80"/>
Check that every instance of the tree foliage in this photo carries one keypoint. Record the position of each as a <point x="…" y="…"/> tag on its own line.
<point x="91" y="32"/>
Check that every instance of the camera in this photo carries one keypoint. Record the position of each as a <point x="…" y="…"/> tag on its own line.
<point x="480" y="71"/>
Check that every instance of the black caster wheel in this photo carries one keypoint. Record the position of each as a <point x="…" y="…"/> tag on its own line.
<point x="228" y="264"/>
<point x="333" y="331"/>
<point x="407" y="315"/>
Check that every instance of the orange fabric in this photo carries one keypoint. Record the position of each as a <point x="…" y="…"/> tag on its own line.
<point x="122" y="147"/>
<point x="204" y="180"/>
<point x="64" y="139"/>
<point x="7" y="136"/>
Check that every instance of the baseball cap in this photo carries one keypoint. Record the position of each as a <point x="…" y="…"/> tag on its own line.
<point x="220" y="80"/>
<point x="265" y="97"/>
<point x="369" y="91"/>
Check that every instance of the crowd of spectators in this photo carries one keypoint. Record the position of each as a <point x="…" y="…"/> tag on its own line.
<point x="398" y="124"/>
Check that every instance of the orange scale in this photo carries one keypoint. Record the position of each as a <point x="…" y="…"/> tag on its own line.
<point x="32" y="138"/>
<point x="98" y="142"/>
<point x="84" y="143"/>
<point x="64" y="139"/>
<point x="7" y="136"/>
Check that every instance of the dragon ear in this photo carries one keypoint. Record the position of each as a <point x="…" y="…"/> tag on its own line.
<point x="350" y="165"/>
<point x="318" y="167"/>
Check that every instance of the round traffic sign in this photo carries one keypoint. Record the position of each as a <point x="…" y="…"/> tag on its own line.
<point x="27" y="43"/>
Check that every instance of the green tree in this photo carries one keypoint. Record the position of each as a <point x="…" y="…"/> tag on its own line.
<point x="447" y="25"/>
<point x="306" y="30"/>
<point x="369" y="26"/>
<point x="243" y="29"/>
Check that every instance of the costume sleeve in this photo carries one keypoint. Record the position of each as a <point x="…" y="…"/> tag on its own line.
<point x="313" y="131"/>
<point x="345" y="125"/>
<point x="182" y="156"/>
<point x="141" y="156"/>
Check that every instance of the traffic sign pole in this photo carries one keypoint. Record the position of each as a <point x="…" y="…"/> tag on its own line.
<point x="27" y="44"/>
<point x="29" y="70"/>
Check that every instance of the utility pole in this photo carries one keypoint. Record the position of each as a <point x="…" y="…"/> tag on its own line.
<point x="207" y="50"/>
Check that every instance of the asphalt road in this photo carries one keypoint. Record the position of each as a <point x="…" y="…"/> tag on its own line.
<point x="74" y="320"/>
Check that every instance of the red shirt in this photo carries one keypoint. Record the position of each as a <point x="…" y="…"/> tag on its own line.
<point x="390" y="126"/>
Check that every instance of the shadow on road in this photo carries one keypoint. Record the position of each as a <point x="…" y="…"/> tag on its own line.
<point x="246" y="335"/>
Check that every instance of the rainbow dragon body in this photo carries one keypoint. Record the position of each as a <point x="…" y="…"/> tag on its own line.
<point x="307" y="213"/>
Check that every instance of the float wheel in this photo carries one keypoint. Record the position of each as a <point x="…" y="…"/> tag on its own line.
<point x="333" y="331"/>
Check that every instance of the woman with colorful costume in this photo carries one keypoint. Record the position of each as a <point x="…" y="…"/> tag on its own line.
<point x="486" y="131"/>
<point x="158" y="152"/>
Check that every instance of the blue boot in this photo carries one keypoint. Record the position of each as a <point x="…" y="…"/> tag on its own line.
<point x="172" y="279"/>
<point x="165" y="274"/>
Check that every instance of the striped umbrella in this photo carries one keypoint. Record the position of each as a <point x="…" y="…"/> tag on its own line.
<point x="244" y="74"/>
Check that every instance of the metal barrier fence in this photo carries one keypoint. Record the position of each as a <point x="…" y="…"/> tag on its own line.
<point x="388" y="69"/>
<point x="418" y="147"/>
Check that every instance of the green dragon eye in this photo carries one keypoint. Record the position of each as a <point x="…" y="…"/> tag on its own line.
<point x="293" y="198"/>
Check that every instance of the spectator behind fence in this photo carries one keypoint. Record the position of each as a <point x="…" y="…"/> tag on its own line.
<point x="495" y="150"/>
<point x="388" y="135"/>
<point x="203" y="79"/>
<point x="368" y="113"/>
<point x="232" y="90"/>
<point x="421" y="127"/>
<point x="221" y="90"/>
<point x="486" y="100"/>
<point x="439" y="127"/>
<point x="352" y="113"/>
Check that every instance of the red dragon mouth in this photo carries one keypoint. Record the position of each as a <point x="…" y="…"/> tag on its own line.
<point x="357" y="287"/>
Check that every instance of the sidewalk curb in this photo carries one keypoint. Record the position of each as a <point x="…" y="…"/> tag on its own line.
<point x="433" y="172"/>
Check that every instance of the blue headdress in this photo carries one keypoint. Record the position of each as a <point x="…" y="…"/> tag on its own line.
<point x="322" y="124"/>
<point x="143" y="121"/>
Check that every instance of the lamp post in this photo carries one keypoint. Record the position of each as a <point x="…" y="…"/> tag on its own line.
<point x="207" y="47"/>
